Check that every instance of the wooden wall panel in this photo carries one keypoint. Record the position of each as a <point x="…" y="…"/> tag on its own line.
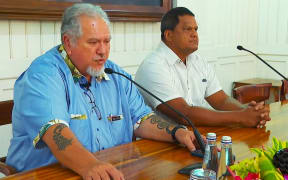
<point x="139" y="34"/>
<point x="57" y="35"/>
<point x="47" y="35"/>
<point x="5" y="41"/>
<point x="130" y="36"/>
<point x="33" y="38"/>
<point x="148" y="37"/>
<point x="119" y="37"/>
<point x="280" y="63"/>
<point x="226" y="73"/>
<point x="18" y="39"/>
<point x="156" y="34"/>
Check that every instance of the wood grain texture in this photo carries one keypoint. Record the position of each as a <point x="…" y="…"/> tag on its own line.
<point x="145" y="159"/>
<point x="256" y="92"/>
<point x="274" y="90"/>
<point x="53" y="10"/>
<point x="6" y="112"/>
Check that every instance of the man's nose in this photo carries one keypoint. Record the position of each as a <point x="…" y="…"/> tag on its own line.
<point x="194" y="33"/>
<point x="101" y="50"/>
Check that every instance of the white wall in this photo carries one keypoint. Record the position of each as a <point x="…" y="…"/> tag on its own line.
<point x="259" y="25"/>
<point x="22" y="41"/>
<point x="223" y="24"/>
<point x="273" y="38"/>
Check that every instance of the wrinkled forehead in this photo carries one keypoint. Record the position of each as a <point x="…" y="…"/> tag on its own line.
<point x="94" y="23"/>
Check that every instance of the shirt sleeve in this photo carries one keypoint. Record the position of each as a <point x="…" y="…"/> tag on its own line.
<point x="157" y="79"/>
<point x="138" y="108"/>
<point x="39" y="98"/>
<point x="213" y="82"/>
<point x="38" y="143"/>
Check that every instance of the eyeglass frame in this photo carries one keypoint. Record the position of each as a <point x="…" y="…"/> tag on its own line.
<point x="92" y="102"/>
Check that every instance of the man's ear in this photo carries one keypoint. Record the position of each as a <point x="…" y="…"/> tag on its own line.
<point x="168" y="35"/>
<point x="67" y="43"/>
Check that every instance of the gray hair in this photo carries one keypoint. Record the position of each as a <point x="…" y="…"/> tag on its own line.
<point x="70" y="20"/>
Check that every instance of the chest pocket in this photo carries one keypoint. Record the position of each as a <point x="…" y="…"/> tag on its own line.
<point x="117" y="114"/>
<point x="80" y="120"/>
<point x="204" y="84"/>
<point x="81" y="127"/>
<point x="80" y="124"/>
<point x="119" y="126"/>
<point x="198" y="91"/>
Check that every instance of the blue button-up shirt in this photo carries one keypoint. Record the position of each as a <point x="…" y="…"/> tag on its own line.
<point x="47" y="91"/>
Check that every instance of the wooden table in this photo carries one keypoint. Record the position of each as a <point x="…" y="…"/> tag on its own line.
<point x="274" y="91"/>
<point x="145" y="159"/>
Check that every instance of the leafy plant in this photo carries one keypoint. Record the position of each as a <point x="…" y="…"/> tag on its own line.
<point x="263" y="162"/>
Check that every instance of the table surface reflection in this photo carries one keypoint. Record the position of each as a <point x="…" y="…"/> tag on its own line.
<point x="145" y="159"/>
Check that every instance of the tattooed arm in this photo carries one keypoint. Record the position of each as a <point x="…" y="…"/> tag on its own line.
<point x="156" y="128"/>
<point x="69" y="152"/>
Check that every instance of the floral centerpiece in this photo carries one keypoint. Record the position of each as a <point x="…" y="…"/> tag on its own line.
<point x="269" y="164"/>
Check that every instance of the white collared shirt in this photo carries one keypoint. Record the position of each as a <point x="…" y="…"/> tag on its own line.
<point x="165" y="75"/>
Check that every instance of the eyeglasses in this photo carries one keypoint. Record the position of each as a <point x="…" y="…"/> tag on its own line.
<point x="95" y="108"/>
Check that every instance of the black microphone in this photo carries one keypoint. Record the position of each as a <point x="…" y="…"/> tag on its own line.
<point x="196" y="132"/>
<point x="241" y="48"/>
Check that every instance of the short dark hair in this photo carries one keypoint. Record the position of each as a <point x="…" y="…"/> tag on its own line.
<point x="170" y="19"/>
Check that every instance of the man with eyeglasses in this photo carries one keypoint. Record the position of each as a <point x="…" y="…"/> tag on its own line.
<point x="66" y="107"/>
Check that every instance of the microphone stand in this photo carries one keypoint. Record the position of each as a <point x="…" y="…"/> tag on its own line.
<point x="241" y="48"/>
<point x="195" y="130"/>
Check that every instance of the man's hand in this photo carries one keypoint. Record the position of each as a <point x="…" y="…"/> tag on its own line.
<point x="188" y="139"/>
<point x="70" y="153"/>
<point x="265" y="112"/>
<point x="250" y="117"/>
<point x="101" y="171"/>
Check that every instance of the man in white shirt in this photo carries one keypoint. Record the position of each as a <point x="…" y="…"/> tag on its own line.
<point x="185" y="80"/>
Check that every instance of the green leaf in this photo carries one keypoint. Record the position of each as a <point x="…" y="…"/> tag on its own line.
<point x="269" y="155"/>
<point x="262" y="163"/>
<point x="256" y="150"/>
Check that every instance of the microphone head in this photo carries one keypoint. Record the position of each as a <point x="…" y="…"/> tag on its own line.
<point x="108" y="70"/>
<point x="240" y="48"/>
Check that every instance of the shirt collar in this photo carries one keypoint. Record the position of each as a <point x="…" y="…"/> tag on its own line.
<point x="75" y="72"/>
<point x="171" y="57"/>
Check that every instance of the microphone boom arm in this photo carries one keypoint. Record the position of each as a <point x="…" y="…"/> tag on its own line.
<point x="241" y="48"/>
<point x="195" y="130"/>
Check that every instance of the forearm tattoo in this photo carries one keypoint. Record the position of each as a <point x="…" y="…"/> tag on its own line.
<point x="161" y="124"/>
<point x="59" y="139"/>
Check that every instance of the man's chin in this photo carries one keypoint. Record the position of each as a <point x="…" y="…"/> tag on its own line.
<point x="95" y="71"/>
<point x="191" y="50"/>
<point x="195" y="47"/>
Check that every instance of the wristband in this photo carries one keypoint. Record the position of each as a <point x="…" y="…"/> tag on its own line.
<point x="173" y="132"/>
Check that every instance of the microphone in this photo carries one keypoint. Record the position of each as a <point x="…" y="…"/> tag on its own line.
<point x="241" y="48"/>
<point x="196" y="132"/>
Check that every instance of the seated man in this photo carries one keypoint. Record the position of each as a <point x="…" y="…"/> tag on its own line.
<point x="185" y="80"/>
<point x="66" y="107"/>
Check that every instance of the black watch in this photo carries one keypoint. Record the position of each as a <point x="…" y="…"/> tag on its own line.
<point x="173" y="132"/>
